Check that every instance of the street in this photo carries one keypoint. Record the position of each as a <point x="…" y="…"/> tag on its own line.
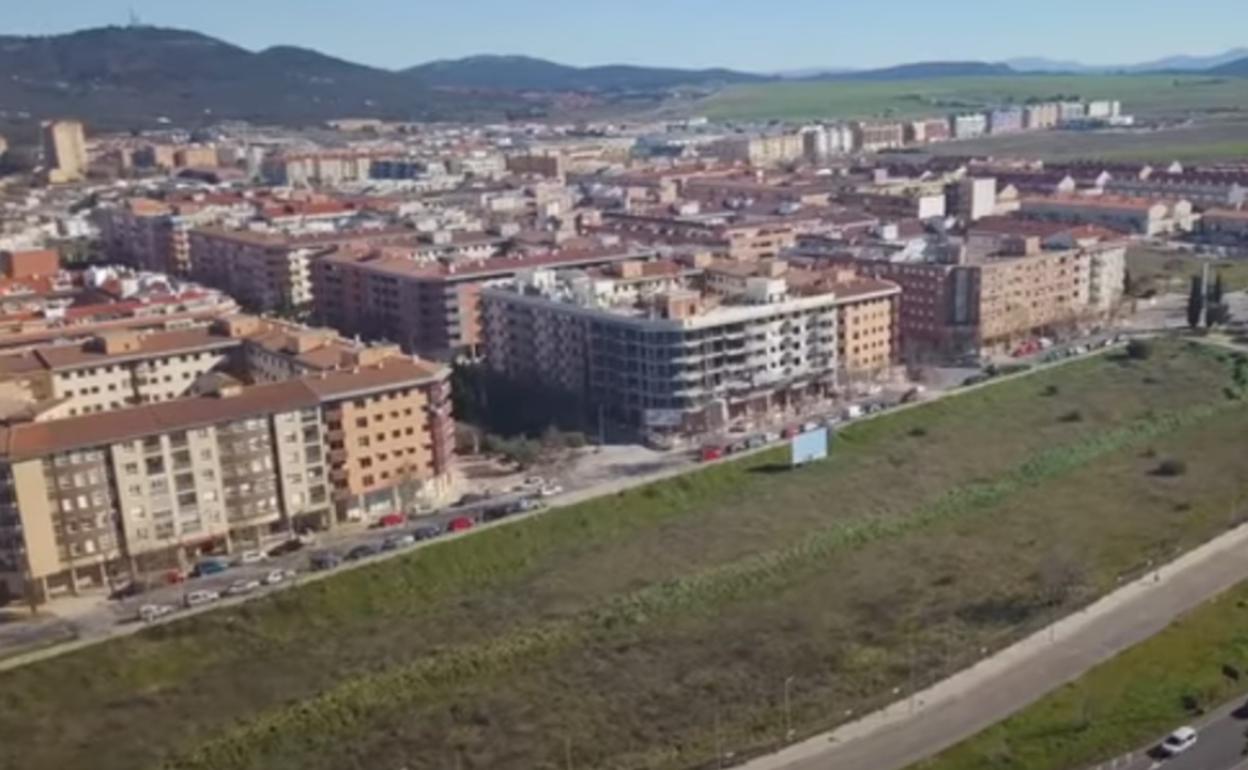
<point x="1222" y="744"/>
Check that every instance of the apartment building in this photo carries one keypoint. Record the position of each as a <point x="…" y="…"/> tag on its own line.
<point x="824" y="142"/>
<point x="155" y="234"/>
<point x="972" y="304"/>
<point x="1007" y="120"/>
<point x="1226" y="230"/>
<point x="761" y="151"/>
<point x="1129" y="215"/>
<point x="270" y="270"/>
<point x="686" y="357"/>
<point x="1038" y="117"/>
<point x="739" y="237"/>
<point x="319" y="168"/>
<point x="110" y="495"/>
<point x="970" y="125"/>
<point x="876" y="136"/>
<point x="928" y="131"/>
<point x="1206" y="189"/>
<point x="64" y="151"/>
<point x="428" y="306"/>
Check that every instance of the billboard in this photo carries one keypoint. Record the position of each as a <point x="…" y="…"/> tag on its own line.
<point x="809" y="447"/>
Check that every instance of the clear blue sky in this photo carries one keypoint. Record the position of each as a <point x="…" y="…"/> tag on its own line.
<point x="750" y="34"/>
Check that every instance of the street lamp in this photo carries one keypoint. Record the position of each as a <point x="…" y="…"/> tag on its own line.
<point x="788" y="708"/>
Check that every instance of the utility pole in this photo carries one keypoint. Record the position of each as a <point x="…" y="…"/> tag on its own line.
<point x="567" y="752"/>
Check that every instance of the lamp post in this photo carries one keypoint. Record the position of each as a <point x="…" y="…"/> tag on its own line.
<point x="788" y="708"/>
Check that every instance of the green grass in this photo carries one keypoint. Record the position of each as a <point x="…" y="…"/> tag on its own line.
<point x="633" y="626"/>
<point x="1171" y="272"/>
<point x="1146" y="95"/>
<point x="1124" y="703"/>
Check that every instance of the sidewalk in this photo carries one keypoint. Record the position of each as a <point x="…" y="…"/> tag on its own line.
<point x="978" y="697"/>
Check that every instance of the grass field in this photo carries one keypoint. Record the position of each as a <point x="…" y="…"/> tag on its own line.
<point x="1124" y="703"/>
<point x="1170" y="272"/>
<point x="641" y="630"/>
<point x="1145" y="95"/>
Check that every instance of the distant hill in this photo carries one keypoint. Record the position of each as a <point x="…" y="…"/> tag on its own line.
<point x="1178" y="63"/>
<point x="923" y="71"/>
<point x="523" y="73"/>
<point x="119" y="77"/>
<point x="1236" y="68"/>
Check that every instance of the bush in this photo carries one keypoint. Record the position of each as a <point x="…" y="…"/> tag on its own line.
<point x="1139" y="350"/>
<point x="1171" y="468"/>
<point x="1072" y="416"/>
<point x="1052" y="390"/>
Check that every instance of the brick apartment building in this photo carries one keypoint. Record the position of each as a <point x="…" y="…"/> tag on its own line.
<point x="427" y="306"/>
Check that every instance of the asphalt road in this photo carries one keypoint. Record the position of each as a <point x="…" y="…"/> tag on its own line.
<point x="1222" y="744"/>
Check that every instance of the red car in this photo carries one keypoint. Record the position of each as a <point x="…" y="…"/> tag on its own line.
<point x="712" y="453"/>
<point x="461" y="524"/>
<point x="392" y="520"/>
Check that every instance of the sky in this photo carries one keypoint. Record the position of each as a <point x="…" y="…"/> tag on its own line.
<point x="758" y="35"/>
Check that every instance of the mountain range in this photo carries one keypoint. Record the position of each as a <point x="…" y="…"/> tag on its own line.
<point x="1180" y="63"/>
<point x="117" y="77"/>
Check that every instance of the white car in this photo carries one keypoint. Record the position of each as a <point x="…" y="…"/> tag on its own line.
<point x="251" y="557"/>
<point x="198" y="598"/>
<point x="242" y="587"/>
<point x="150" y="613"/>
<point x="278" y="576"/>
<point x="550" y="490"/>
<point x="1178" y="742"/>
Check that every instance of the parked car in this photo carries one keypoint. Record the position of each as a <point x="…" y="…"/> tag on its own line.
<point x="128" y="591"/>
<point x="395" y="542"/>
<point x="210" y="567"/>
<point x="250" y="557"/>
<point x="150" y="613"/>
<point x="472" y="498"/>
<point x="324" y="560"/>
<point x="294" y="545"/>
<point x="392" y="520"/>
<point x="242" y="587"/>
<point x="200" y="598"/>
<point x="496" y="512"/>
<point x="1178" y="742"/>
<point x="853" y="412"/>
<point x="525" y="505"/>
<point x="534" y="481"/>
<point x="278" y="576"/>
<point x="712" y="453"/>
<point x="771" y="437"/>
<point x="461" y="524"/>
<point x="175" y="576"/>
<point x="550" y="490"/>
<point x="362" y="551"/>
<point x="755" y="442"/>
<point x="427" y="532"/>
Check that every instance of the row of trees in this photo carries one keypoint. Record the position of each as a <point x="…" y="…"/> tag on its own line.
<point x="1206" y="305"/>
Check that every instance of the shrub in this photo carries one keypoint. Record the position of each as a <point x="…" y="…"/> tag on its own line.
<point x="1171" y="468"/>
<point x="1051" y="390"/>
<point x="1072" y="416"/>
<point x="1139" y="350"/>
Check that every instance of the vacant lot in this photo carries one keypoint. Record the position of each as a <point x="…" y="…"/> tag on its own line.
<point x="1144" y="95"/>
<point x="1170" y="272"/>
<point x="645" y="629"/>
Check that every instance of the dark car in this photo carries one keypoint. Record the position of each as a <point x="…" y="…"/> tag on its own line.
<point x="362" y="551"/>
<point x="472" y="498"/>
<point x="209" y="567"/>
<point x="496" y="512"/>
<point x="288" y="547"/>
<point x="427" y="532"/>
<point x="324" y="560"/>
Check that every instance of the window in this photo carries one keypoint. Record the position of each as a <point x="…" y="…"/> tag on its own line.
<point x="155" y="465"/>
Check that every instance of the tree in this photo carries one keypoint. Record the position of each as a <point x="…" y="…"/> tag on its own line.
<point x="1139" y="349"/>
<point x="1196" y="303"/>
<point x="1218" y="314"/>
<point x="1215" y="294"/>
<point x="1128" y="284"/>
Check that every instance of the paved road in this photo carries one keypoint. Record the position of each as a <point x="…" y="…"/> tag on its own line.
<point x="978" y="697"/>
<point x="1222" y="745"/>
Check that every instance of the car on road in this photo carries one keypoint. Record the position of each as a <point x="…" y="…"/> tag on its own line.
<point x="550" y="490"/>
<point x="391" y="520"/>
<point x="395" y="542"/>
<point x="128" y="591"/>
<point x="150" y="613"/>
<point x="426" y="532"/>
<point x="362" y="551"/>
<point x="460" y="524"/>
<point x="242" y="587"/>
<point x="200" y="598"/>
<point x="278" y="576"/>
<point x="1178" y="742"/>
<point x="294" y="545"/>
<point x="250" y="557"/>
<point x="496" y="512"/>
<point x="472" y="498"/>
<point x="324" y="560"/>
<point x="209" y="567"/>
